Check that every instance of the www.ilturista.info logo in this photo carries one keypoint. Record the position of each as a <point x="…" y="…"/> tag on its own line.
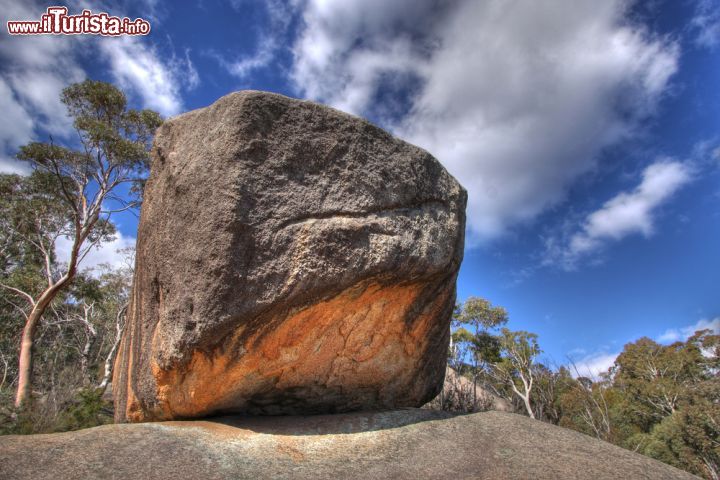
<point x="56" y="21"/>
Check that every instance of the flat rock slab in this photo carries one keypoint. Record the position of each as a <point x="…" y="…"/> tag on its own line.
<point x="411" y="443"/>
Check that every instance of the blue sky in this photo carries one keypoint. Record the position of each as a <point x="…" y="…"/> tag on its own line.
<point x="587" y="133"/>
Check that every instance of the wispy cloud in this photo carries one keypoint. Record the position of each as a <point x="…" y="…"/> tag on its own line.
<point x="515" y="99"/>
<point x="136" y="65"/>
<point x="683" y="333"/>
<point x="16" y="128"/>
<point x="246" y="65"/>
<point x="279" y="14"/>
<point x="627" y="213"/>
<point x="706" y="153"/>
<point x="706" y="23"/>
<point x="184" y="66"/>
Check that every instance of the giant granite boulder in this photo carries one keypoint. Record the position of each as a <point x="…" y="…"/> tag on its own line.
<point x="290" y="259"/>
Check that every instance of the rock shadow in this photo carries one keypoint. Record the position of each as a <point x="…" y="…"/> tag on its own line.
<point x="332" y="424"/>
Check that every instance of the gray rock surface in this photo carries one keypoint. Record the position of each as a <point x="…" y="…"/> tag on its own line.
<point x="290" y="259"/>
<point x="412" y="444"/>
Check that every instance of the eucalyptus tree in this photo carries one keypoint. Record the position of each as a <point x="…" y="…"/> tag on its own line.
<point x="516" y="367"/>
<point x="71" y="194"/>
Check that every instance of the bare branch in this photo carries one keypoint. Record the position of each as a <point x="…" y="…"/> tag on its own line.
<point x="27" y="296"/>
<point x="5" y="370"/>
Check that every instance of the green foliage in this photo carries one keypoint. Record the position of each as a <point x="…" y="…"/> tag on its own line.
<point x="29" y="214"/>
<point x="487" y="347"/>
<point x="518" y="351"/>
<point x="656" y="377"/>
<point x="462" y="335"/>
<point x="697" y="446"/>
<point x="687" y="439"/>
<point x="671" y="396"/>
<point x="86" y="408"/>
<point x="480" y="345"/>
<point x="115" y="146"/>
<point x="89" y="410"/>
<point x="659" y="400"/>
<point x="63" y="370"/>
<point x="521" y="345"/>
<point x="72" y="192"/>
<point x="71" y="318"/>
<point x="481" y="314"/>
<point x="501" y="362"/>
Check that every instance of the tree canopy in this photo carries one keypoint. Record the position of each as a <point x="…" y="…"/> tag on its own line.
<point x="659" y="400"/>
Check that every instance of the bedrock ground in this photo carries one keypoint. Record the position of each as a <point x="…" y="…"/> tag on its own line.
<point x="407" y="443"/>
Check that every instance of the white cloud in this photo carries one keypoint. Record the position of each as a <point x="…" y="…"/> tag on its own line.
<point x="683" y="333"/>
<point x="35" y="70"/>
<point x="516" y="99"/>
<point x="12" y="166"/>
<point x="347" y="48"/>
<point x="593" y="365"/>
<point x="105" y="253"/>
<point x="40" y="90"/>
<point x="137" y="66"/>
<point x="625" y="214"/>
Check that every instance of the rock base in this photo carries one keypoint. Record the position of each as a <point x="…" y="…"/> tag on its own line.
<point x="412" y="443"/>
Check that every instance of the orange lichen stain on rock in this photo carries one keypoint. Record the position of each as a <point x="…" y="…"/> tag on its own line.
<point x="350" y="343"/>
<point x="133" y="410"/>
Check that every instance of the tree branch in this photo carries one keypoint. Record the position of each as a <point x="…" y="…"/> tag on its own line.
<point x="27" y="296"/>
